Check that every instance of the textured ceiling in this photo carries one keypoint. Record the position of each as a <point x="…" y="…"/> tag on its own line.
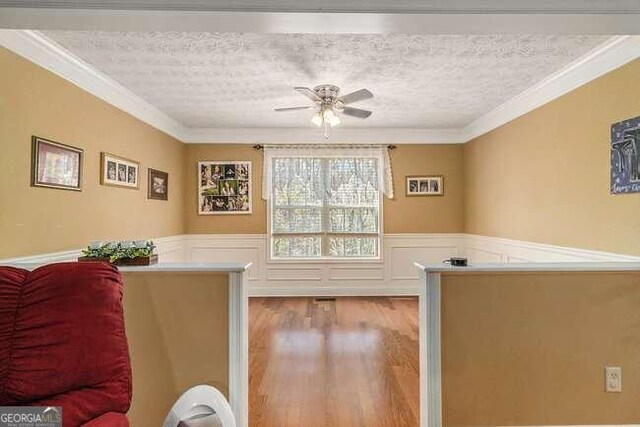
<point x="235" y="80"/>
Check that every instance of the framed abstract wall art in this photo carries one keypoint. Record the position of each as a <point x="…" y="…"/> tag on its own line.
<point x="625" y="156"/>
<point x="119" y="172"/>
<point x="224" y="187"/>
<point x="158" y="185"/>
<point x="425" y="185"/>
<point x="55" y="165"/>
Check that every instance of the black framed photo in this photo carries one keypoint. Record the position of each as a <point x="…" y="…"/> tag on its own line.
<point x="55" y="165"/>
<point x="158" y="185"/>
<point x="224" y="187"/>
<point x="425" y="186"/>
<point x="119" y="172"/>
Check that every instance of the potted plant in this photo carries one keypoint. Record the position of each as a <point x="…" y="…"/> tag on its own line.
<point x="128" y="252"/>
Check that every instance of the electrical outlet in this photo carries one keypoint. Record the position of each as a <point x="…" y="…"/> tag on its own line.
<point x="612" y="379"/>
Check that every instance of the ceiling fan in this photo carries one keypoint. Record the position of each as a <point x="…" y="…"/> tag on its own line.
<point x="328" y="103"/>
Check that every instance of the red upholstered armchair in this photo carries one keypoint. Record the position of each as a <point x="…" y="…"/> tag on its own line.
<point x="63" y="343"/>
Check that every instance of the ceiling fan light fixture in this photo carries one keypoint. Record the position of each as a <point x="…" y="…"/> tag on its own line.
<point x="330" y="117"/>
<point x="317" y="119"/>
<point x="335" y="121"/>
<point x="327" y="114"/>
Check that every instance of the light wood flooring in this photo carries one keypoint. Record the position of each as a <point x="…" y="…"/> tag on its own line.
<point x="352" y="362"/>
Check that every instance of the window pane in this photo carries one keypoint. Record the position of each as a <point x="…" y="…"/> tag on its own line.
<point x="297" y="182"/>
<point x="354" y="182"/>
<point x="353" y="220"/>
<point x="352" y="246"/>
<point x="327" y="196"/>
<point x="297" y="247"/>
<point x="297" y="220"/>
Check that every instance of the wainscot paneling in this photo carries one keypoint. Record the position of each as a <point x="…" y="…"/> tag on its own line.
<point x="401" y="251"/>
<point x="169" y="249"/>
<point x="485" y="249"/>
<point x="243" y="248"/>
<point x="393" y="274"/>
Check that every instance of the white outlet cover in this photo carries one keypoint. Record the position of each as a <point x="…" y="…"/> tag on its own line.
<point x="613" y="379"/>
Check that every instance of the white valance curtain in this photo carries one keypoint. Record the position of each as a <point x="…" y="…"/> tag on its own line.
<point x="384" y="178"/>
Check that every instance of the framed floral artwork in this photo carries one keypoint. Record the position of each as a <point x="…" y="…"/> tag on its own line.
<point x="56" y="165"/>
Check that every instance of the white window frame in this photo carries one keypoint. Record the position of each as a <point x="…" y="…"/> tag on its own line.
<point x="324" y="244"/>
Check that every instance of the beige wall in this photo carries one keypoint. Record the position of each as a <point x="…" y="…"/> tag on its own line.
<point x="530" y="349"/>
<point x="443" y="214"/>
<point x="34" y="101"/>
<point x="401" y="215"/>
<point x="154" y="384"/>
<point x="178" y="334"/>
<point x="38" y="220"/>
<point x="545" y="176"/>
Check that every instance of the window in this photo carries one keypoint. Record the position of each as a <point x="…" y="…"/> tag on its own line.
<point x="325" y="207"/>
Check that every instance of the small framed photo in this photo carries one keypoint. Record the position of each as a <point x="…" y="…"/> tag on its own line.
<point x="55" y="165"/>
<point x="425" y="185"/>
<point x="224" y="187"/>
<point x="119" y="172"/>
<point x="158" y="185"/>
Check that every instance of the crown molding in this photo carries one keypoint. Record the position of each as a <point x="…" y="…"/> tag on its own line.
<point x="39" y="49"/>
<point x="610" y="55"/>
<point x="44" y="52"/>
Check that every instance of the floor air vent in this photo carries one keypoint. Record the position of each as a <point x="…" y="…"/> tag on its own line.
<point x="324" y="299"/>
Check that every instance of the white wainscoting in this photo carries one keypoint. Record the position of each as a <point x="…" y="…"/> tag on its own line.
<point x="485" y="249"/>
<point x="169" y="249"/>
<point x="394" y="274"/>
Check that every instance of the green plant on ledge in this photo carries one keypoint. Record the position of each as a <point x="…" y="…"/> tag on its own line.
<point x="116" y="251"/>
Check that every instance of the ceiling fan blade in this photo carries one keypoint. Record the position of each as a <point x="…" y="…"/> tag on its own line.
<point x="308" y="93"/>
<point x="356" y="112"/>
<point x="356" y="96"/>
<point x="293" y="108"/>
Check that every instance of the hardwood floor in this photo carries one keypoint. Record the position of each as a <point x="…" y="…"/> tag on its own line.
<point x="352" y="362"/>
